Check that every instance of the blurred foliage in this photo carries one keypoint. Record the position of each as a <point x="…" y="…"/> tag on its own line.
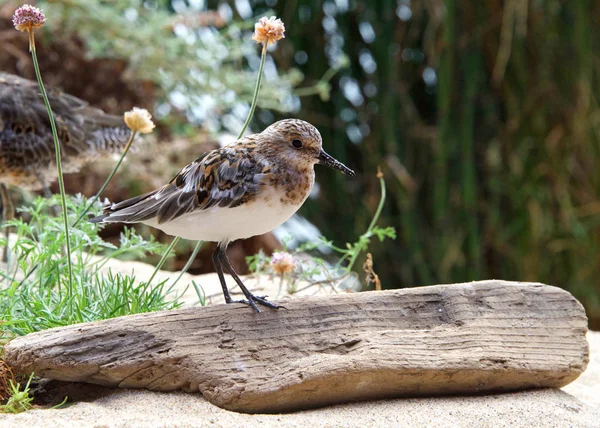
<point x="197" y="59"/>
<point x="485" y="119"/>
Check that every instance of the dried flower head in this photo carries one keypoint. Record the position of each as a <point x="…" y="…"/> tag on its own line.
<point x="282" y="262"/>
<point x="268" y="30"/>
<point x="140" y="120"/>
<point x="28" y="18"/>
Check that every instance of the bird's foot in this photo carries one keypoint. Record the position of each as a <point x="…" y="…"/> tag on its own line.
<point x="261" y="300"/>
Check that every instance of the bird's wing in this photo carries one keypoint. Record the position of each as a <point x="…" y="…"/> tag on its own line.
<point x="25" y="127"/>
<point x="226" y="177"/>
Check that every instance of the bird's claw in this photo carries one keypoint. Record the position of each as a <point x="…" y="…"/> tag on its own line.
<point x="261" y="300"/>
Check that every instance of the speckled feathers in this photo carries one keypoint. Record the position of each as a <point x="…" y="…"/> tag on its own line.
<point x="26" y="144"/>
<point x="234" y="175"/>
<point x="244" y="189"/>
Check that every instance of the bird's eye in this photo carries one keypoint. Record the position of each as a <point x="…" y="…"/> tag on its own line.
<point x="297" y="144"/>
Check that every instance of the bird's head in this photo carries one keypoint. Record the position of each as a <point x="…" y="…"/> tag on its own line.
<point x="299" y="142"/>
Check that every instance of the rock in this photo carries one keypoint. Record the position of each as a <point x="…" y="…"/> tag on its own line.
<point x="488" y="336"/>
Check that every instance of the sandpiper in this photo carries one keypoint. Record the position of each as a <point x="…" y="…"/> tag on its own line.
<point x="241" y="190"/>
<point x="27" y="158"/>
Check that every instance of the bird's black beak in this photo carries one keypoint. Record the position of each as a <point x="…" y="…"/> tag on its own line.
<point x="330" y="161"/>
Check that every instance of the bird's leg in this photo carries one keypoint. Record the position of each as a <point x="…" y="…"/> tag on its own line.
<point x="47" y="194"/>
<point x="219" y="268"/>
<point x="216" y="258"/>
<point x="8" y="213"/>
<point x="252" y="299"/>
<point x="46" y="190"/>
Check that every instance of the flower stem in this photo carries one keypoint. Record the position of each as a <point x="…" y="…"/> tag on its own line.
<point x="380" y="206"/>
<point x="367" y="234"/>
<point x="95" y="198"/>
<point x="256" y="90"/>
<point x="61" y="181"/>
<point x="248" y="119"/>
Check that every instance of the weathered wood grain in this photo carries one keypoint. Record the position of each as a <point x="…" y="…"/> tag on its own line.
<point x="487" y="336"/>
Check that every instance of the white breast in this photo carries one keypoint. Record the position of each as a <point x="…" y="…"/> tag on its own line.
<point x="218" y="224"/>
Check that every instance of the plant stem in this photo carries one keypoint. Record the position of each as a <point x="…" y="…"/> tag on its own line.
<point x="446" y="90"/>
<point x="256" y="90"/>
<point x="61" y="181"/>
<point x="189" y="262"/>
<point x="248" y="119"/>
<point x="367" y="234"/>
<point x="163" y="258"/>
<point x="468" y="173"/>
<point x="95" y="198"/>
<point x="380" y="206"/>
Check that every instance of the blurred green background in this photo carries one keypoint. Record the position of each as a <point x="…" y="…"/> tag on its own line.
<point x="483" y="116"/>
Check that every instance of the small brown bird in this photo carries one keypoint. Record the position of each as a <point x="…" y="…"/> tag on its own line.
<point x="27" y="156"/>
<point x="241" y="190"/>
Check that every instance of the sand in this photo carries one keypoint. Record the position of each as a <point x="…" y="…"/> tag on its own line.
<point x="576" y="405"/>
<point x="137" y="408"/>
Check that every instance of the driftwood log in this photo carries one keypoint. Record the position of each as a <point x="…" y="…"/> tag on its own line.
<point x="487" y="336"/>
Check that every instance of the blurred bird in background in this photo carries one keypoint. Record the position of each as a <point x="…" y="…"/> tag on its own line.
<point x="27" y="156"/>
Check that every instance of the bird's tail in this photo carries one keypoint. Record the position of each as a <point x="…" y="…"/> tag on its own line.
<point x="110" y="140"/>
<point x="133" y="210"/>
<point x="105" y="134"/>
<point x="98" y="219"/>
